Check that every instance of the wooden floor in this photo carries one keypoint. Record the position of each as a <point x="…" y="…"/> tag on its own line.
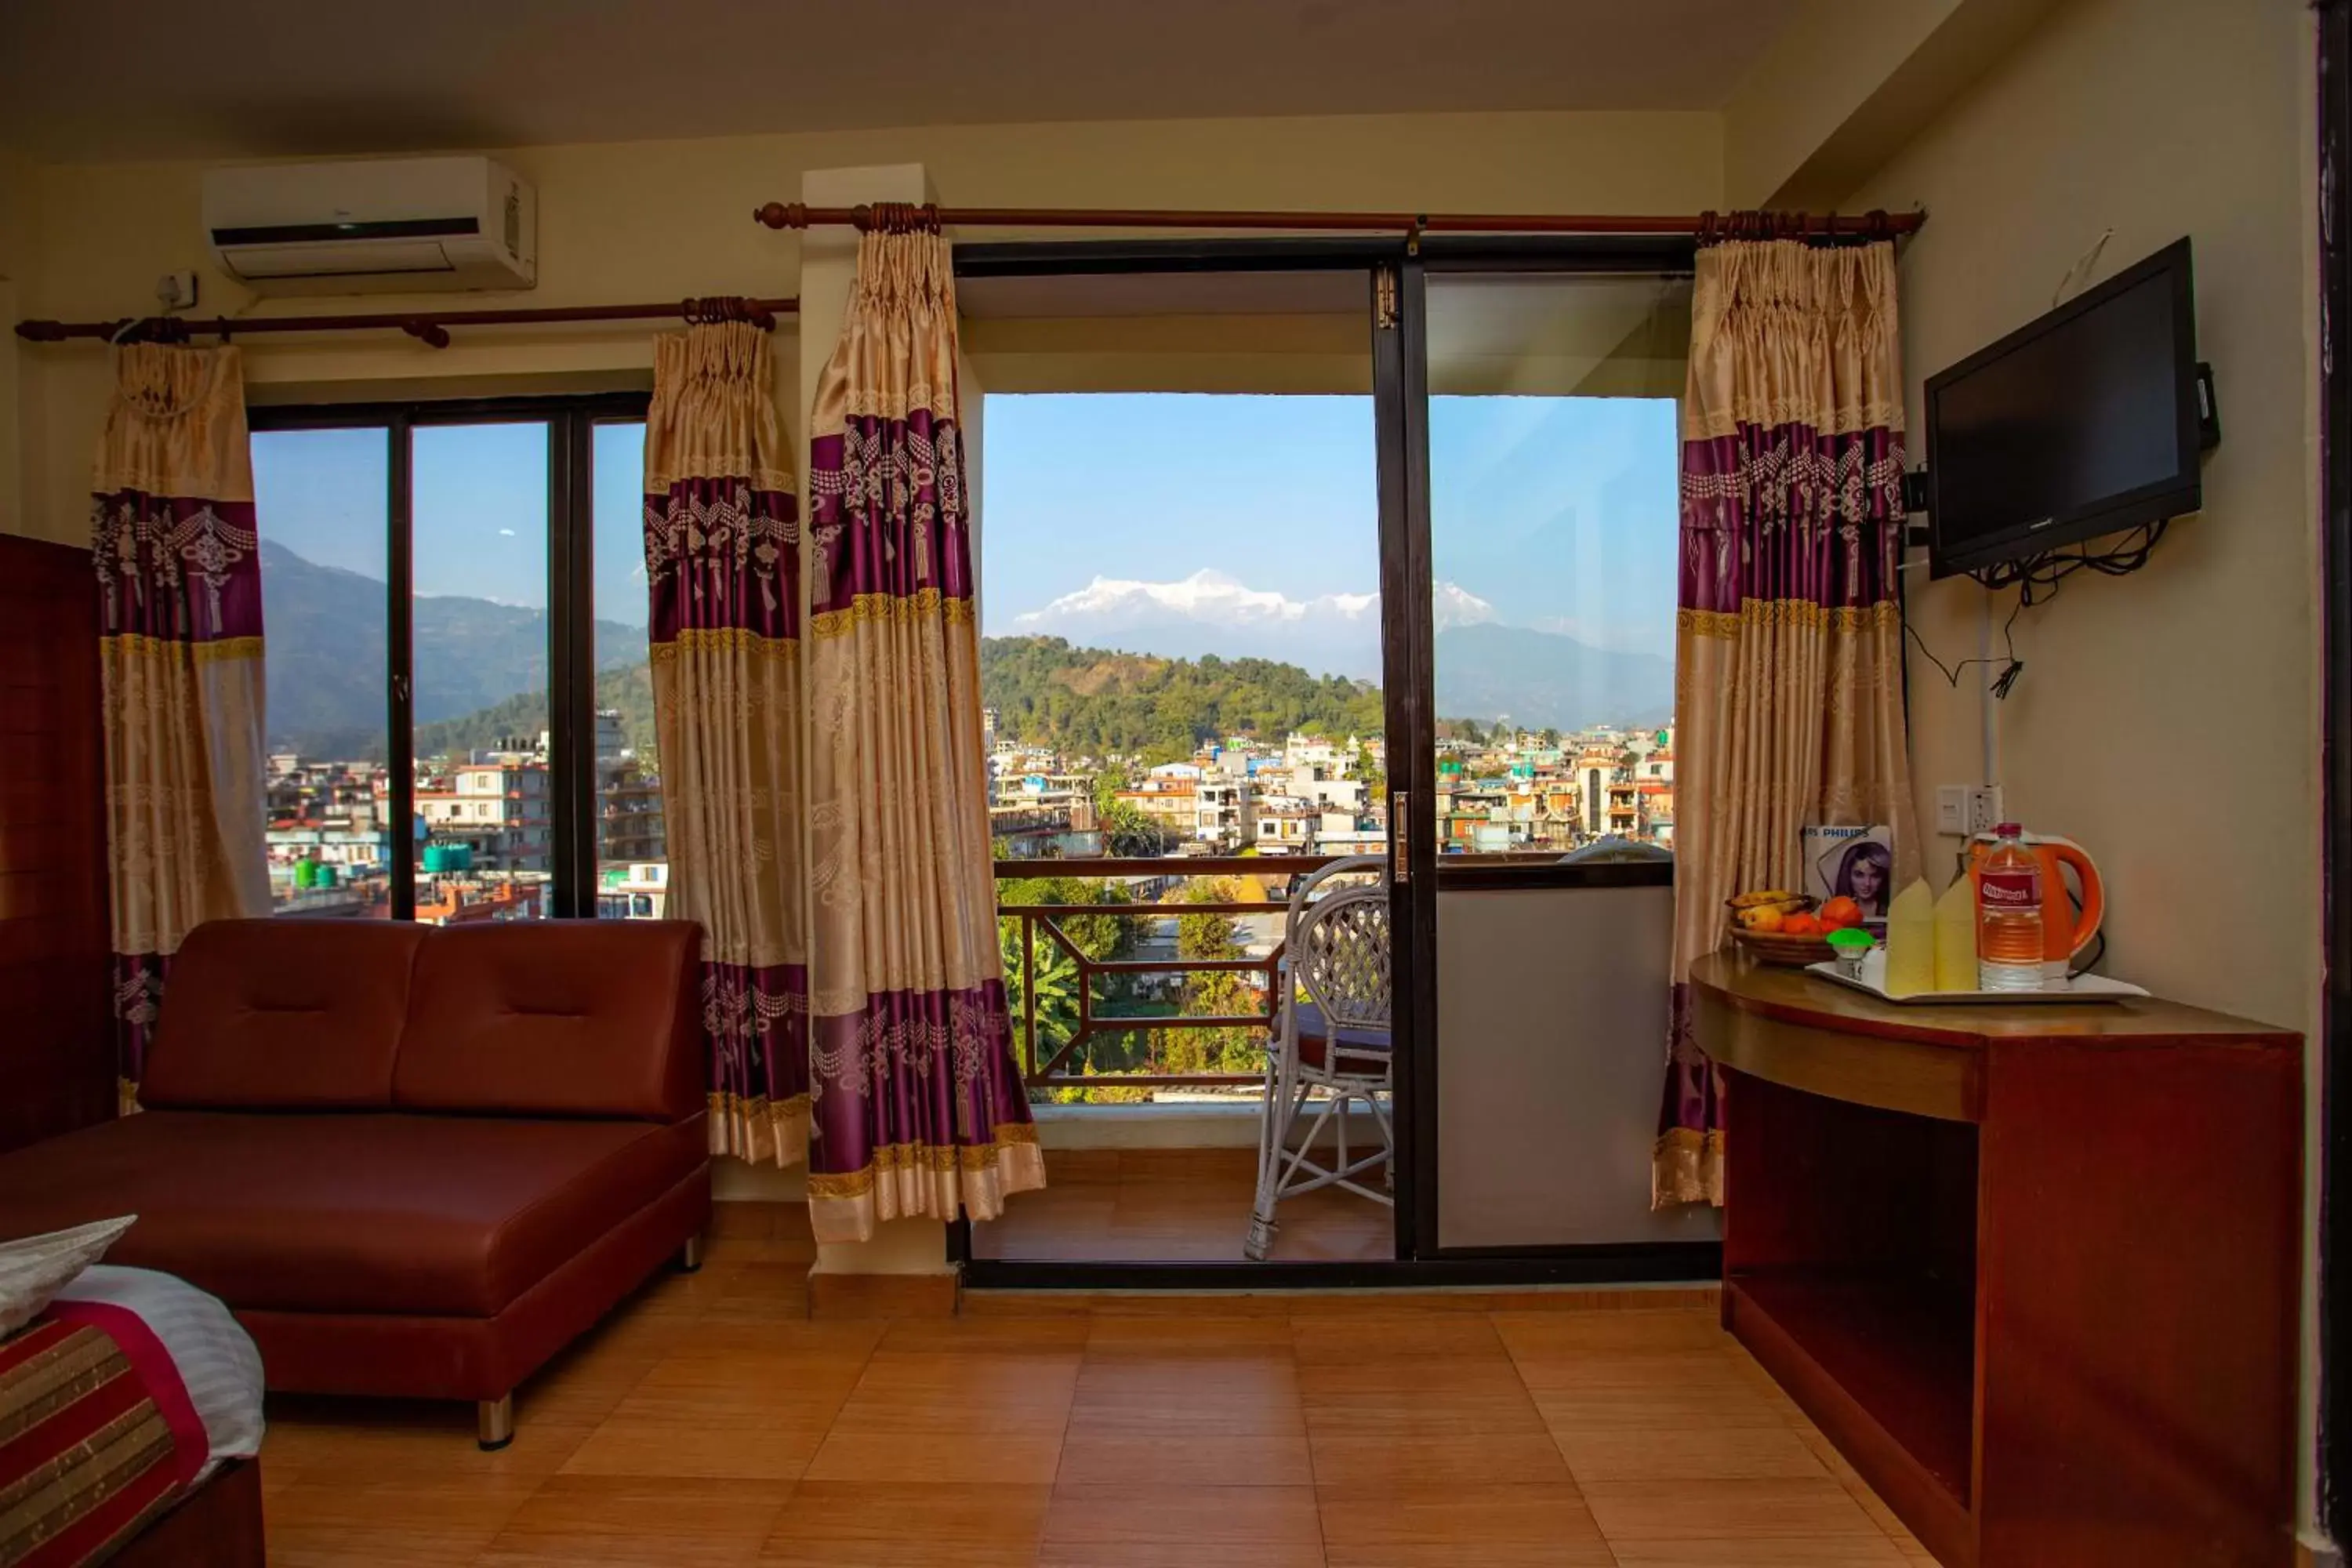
<point x="708" y="1423"/>
<point x="1176" y="1205"/>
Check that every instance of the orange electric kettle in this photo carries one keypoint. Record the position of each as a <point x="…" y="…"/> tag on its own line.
<point x="2067" y="929"/>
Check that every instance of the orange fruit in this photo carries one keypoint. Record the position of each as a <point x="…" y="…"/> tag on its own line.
<point x="1840" y="913"/>
<point x="1763" y="917"/>
<point x="1800" y="924"/>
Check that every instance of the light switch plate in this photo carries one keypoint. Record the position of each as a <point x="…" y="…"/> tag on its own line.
<point x="1952" y="809"/>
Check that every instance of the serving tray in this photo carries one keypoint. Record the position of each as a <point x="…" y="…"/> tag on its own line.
<point x="2082" y="988"/>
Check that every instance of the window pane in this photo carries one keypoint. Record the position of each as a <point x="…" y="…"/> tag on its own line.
<point x="1553" y="487"/>
<point x="632" y="857"/>
<point x="320" y="497"/>
<point x="485" y="829"/>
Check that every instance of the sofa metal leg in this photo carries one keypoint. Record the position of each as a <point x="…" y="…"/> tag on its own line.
<point x="494" y="1422"/>
<point x="689" y="1256"/>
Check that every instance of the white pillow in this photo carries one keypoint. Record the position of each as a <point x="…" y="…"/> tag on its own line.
<point x="38" y="1267"/>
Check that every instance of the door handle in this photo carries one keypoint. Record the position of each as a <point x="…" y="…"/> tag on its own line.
<point x="1401" y="835"/>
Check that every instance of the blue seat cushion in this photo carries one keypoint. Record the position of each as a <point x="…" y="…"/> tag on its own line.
<point x="1361" y="1051"/>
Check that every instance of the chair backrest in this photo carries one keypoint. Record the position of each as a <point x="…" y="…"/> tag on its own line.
<point x="1338" y="950"/>
<point x="1347" y="870"/>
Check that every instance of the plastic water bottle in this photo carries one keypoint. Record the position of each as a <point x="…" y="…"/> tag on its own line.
<point x="2009" y="914"/>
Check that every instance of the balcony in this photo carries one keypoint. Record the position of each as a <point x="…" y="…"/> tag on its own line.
<point x="1061" y="1008"/>
<point x="1549" y="1029"/>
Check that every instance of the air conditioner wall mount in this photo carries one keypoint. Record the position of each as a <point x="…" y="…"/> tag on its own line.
<point x="373" y="225"/>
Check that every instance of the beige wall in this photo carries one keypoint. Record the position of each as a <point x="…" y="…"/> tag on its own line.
<point x="662" y="220"/>
<point x="2156" y="119"/>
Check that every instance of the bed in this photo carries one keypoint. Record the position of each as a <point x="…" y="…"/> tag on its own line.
<point x="131" y="1419"/>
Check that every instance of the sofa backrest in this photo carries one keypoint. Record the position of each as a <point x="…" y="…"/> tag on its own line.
<point x="282" y="1014"/>
<point x="555" y="1019"/>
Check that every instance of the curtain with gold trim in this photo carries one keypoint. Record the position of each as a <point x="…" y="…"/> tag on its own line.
<point x="1787" y="647"/>
<point x="917" y="1107"/>
<point x="177" y="556"/>
<point x="723" y="570"/>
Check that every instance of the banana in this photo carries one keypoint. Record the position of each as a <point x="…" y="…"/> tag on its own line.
<point x="1766" y="896"/>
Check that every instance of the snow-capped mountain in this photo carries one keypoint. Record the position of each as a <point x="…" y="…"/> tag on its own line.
<point x="1484" y="669"/>
<point x="1211" y="612"/>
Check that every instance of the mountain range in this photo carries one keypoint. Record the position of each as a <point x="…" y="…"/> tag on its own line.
<point x="481" y="666"/>
<point x="324" y="660"/>
<point x="1484" y="669"/>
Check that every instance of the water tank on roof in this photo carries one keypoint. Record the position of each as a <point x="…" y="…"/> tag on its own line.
<point x="440" y="859"/>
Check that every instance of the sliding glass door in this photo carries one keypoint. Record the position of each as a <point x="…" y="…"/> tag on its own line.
<point x="1550" y="533"/>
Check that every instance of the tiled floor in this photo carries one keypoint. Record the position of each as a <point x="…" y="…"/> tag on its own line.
<point x="709" y="1423"/>
<point x="1170" y="1206"/>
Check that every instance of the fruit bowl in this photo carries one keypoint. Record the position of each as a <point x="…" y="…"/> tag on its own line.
<point x="1790" y="951"/>
<point x="1793" y="949"/>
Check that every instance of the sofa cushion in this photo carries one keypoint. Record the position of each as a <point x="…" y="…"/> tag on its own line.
<point x="367" y="1212"/>
<point x="555" y="1019"/>
<point x="282" y="1014"/>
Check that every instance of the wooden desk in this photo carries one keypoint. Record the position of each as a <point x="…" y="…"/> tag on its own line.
<point x="2035" y="1270"/>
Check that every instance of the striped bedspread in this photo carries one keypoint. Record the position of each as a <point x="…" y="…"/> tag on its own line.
<point x="98" y="1435"/>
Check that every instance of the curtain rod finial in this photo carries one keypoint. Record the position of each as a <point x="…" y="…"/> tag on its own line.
<point x="775" y="215"/>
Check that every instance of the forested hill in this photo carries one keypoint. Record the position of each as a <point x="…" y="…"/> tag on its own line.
<point x="1094" y="701"/>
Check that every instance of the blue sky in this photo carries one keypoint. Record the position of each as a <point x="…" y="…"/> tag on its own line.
<point x="479" y="508"/>
<point x="1559" y="512"/>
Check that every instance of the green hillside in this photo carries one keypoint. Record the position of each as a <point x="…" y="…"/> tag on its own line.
<point x="1095" y="702"/>
<point x="629" y="690"/>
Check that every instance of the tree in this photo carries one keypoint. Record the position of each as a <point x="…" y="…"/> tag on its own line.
<point x="1097" y="936"/>
<point x="1126" y="828"/>
<point x="1057" y="979"/>
<point x="1212" y="993"/>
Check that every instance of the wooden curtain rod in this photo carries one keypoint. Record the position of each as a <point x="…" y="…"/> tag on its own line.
<point x="428" y="326"/>
<point x="1705" y="228"/>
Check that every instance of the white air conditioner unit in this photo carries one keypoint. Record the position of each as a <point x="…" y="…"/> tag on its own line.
<point x="397" y="223"/>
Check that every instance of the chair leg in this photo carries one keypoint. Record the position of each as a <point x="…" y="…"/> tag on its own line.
<point x="494" y="1422"/>
<point x="1274" y="1130"/>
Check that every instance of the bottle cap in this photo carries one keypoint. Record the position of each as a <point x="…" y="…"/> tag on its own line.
<point x="2006" y="830"/>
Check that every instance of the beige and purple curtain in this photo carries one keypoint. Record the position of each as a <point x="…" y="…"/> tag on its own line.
<point x="179" y="582"/>
<point x="722" y="566"/>
<point x="1787" y="651"/>
<point x="916" y="1107"/>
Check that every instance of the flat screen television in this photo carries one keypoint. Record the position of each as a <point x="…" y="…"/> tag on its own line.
<point x="2080" y="424"/>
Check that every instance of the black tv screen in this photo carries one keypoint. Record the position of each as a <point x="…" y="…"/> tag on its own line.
<point x="2080" y="424"/>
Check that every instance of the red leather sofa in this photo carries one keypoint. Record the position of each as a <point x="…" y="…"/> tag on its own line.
<point x="413" y="1162"/>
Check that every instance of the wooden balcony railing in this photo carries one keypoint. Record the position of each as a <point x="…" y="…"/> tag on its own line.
<point x="1051" y="1064"/>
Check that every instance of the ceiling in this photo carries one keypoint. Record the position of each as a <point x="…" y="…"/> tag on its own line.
<point x="84" y="79"/>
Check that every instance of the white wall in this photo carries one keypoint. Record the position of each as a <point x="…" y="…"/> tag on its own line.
<point x="2170" y="720"/>
<point x="661" y="220"/>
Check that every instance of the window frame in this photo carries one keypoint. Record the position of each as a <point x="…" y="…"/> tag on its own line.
<point x="570" y="420"/>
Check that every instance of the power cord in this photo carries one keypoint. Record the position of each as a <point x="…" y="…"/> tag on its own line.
<point x="2036" y="579"/>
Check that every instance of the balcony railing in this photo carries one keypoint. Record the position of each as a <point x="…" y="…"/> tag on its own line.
<point x="1048" y="1063"/>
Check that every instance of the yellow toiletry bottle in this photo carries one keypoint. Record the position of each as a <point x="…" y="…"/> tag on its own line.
<point x="1956" y="937"/>
<point x="1911" y="942"/>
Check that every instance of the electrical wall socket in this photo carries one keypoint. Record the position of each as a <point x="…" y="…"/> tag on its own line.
<point x="1984" y="809"/>
<point x="1962" y="811"/>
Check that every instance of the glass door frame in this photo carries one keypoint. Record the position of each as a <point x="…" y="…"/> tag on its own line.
<point x="1408" y="552"/>
<point x="1397" y="319"/>
<point x="571" y="421"/>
